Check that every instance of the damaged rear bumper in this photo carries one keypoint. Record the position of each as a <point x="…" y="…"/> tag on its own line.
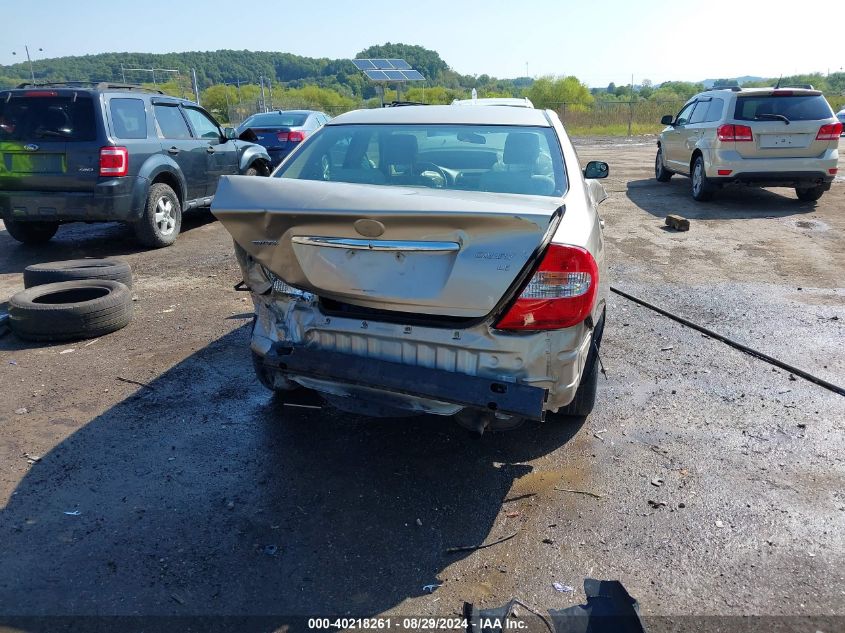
<point x="473" y="392"/>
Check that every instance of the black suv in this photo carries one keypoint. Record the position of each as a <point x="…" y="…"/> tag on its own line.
<point x="84" y="152"/>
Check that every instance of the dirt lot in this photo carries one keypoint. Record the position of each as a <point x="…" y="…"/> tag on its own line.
<point x="198" y="494"/>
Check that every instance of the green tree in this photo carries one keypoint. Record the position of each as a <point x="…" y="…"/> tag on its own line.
<point x="553" y="92"/>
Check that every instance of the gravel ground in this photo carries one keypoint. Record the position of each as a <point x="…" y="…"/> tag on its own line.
<point x="718" y="479"/>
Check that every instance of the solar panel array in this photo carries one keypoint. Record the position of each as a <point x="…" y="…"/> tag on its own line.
<point x="387" y="70"/>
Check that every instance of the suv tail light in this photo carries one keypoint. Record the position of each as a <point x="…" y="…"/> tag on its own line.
<point x="296" y="136"/>
<point x="561" y="293"/>
<point x="282" y="137"/>
<point x="737" y="133"/>
<point x="40" y="93"/>
<point x="114" y="161"/>
<point x="829" y="132"/>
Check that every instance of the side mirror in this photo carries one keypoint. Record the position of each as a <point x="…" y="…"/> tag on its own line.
<point x="667" y="119"/>
<point x="596" y="169"/>
<point x="229" y="133"/>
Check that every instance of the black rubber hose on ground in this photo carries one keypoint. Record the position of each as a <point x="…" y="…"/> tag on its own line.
<point x="735" y="344"/>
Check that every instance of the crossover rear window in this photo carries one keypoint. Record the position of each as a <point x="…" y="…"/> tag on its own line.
<point x="794" y="108"/>
<point x="47" y="118"/>
<point x="493" y="158"/>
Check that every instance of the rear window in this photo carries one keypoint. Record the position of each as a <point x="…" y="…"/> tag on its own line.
<point x="47" y="119"/>
<point x="493" y="158"/>
<point x="275" y="120"/>
<point x="129" y="118"/>
<point x="794" y="108"/>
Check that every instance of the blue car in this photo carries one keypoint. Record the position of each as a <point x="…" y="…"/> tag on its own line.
<point x="281" y="131"/>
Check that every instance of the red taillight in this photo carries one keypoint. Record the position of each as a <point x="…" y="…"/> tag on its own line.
<point x="282" y="136"/>
<point x="829" y="132"/>
<point x="561" y="293"/>
<point x="833" y="171"/>
<point x="724" y="172"/>
<point x="114" y="161"/>
<point x="736" y="133"/>
<point x="40" y="93"/>
<point x="782" y="93"/>
<point x="296" y="136"/>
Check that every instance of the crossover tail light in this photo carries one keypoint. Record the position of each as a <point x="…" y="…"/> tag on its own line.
<point x="296" y="136"/>
<point x="114" y="161"/>
<point x="829" y="132"/>
<point x="736" y="133"/>
<point x="561" y="293"/>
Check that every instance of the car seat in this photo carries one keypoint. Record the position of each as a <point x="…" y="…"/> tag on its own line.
<point x="519" y="175"/>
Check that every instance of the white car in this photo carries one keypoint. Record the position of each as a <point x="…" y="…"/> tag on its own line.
<point x="841" y="116"/>
<point x="427" y="259"/>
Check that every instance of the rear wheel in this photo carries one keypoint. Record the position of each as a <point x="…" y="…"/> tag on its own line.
<point x="660" y="172"/>
<point x="585" y="398"/>
<point x="31" y="232"/>
<point x="810" y="194"/>
<point x="702" y="190"/>
<point x="162" y="219"/>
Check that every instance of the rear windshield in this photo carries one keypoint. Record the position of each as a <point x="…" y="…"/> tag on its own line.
<point x="47" y="119"/>
<point x="795" y="108"/>
<point x="275" y="120"/>
<point x="494" y="158"/>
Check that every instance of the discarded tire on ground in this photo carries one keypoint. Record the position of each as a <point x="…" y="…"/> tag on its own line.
<point x="70" y="310"/>
<point x="77" y="269"/>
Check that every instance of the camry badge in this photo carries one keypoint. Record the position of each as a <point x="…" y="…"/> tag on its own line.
<point x="266" y="242"/>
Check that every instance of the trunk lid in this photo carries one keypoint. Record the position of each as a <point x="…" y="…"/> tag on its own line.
<point x="272" y="138"/>
<point x="48" y="142"/>
<point x="404" y="249"/>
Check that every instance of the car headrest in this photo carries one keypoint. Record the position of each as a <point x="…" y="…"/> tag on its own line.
<point x="521" y="148"/>
<point x="400" y="149"/>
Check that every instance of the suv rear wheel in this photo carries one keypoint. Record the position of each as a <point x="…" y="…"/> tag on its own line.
<point x="31" y="232"/>
<point x="702" y="190"/>
<point x="810" y="194"/>
<point x="162" y="219"/>
<point x="660" y="171"/>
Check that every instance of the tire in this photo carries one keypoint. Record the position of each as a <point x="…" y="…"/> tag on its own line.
<point x="252" y="170"/>
<point x="660" y="172"/>
<point x="261" y="373"/>
<point x="702" y="190"/>
<point x="162" y="219"/>
<point x="810" y="194"/>
<point x="77" y="269"/>
<point x="39" y="232"/>
<point x="585" y="398"/>
<point x="70" y="310"/>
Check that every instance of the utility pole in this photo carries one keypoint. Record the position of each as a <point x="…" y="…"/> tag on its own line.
<point x="29" y="59"/>
<point x="196" y="87"/>
<point x="123" y="73"/>
<point x="263" y="102"/>
<point x="270" y="90"/>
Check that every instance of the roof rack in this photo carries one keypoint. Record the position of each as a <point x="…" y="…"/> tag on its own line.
<point x="97" y="85"/>
<point x="731" y="88"/>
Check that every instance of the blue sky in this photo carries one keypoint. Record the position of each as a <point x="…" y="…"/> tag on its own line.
<point x="599" y="41"/>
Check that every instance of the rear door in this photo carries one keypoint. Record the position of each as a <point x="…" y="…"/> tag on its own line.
<point x="189" y="153"/>
<point x="49" y="140"/>
<point x="221" y="154"/>
<point x="784" y="124"/>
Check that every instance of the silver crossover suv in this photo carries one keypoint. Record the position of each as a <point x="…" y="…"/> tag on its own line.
<point x="427" y="259"/>
<point x="767" y="137"/>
